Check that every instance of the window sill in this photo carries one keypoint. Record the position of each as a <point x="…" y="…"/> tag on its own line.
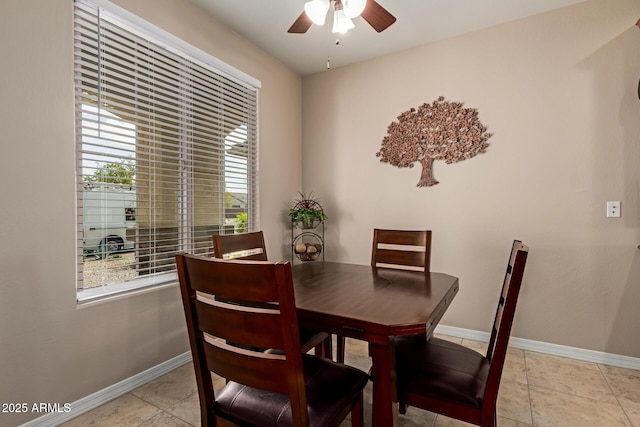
<point x="126" y="289"/>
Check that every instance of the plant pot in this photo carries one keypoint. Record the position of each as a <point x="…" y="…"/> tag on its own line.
<point x="305" y="226"/>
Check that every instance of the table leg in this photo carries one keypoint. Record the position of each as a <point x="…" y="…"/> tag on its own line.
<point x="385" y="399"/>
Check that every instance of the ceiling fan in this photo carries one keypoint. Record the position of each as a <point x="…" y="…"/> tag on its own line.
<point x="315" y="12"/>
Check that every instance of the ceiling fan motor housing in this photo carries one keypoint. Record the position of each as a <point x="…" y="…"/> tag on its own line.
<point x="315" y="11"/>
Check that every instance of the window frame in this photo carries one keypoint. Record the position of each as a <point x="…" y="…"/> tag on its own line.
<point x="163" y="40"/>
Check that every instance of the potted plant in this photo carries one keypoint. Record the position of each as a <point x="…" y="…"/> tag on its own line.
<point x="307" y="212"/>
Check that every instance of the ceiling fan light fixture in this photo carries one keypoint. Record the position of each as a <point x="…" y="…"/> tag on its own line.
<point x="317" y="10"/>
<point x="341" y="23"/>
<point x="353" y="8"/>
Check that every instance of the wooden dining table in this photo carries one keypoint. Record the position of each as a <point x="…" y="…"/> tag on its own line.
<point x="374" y="305"/>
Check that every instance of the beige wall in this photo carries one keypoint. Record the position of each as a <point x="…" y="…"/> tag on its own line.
<point x="558" y="92"/>
<point x="50" y="349"/>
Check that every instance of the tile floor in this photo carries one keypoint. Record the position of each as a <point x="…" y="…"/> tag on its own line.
<point x="536" y="390"/>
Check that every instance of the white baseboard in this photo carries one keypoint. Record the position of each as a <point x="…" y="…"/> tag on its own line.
<point x="105" y="395"/>
<point x="547" y="348"/>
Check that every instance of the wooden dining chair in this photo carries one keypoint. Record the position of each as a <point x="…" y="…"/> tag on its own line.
<point x="251" y="246"/>
<point x="248" y="246"/>
<point x="453" y="380"/>
<point x="400" y="249"/>
<point x="278" y="387"/>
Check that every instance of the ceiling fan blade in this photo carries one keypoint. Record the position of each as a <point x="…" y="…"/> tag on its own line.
<point x="377" y="16"/>
<point x="302" y="24"/>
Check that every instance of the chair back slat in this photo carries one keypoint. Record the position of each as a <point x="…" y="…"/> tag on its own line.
<point x="503" y="322"/>
<point x="250" y="304"/>
<point x="400" y="257"/>
<point x="259" y="370"/>
<point x="239" y="324"/>
<point x="225" y="280"/>
<point x="247" y="246"/>
<point x="401" y="248"/>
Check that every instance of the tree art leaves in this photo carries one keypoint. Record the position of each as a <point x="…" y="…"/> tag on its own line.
<point x="441" y="130"/>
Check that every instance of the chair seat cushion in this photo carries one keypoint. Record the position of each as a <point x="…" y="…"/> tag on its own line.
<point x="330" y="388"/>
<point x="441" y="370"/>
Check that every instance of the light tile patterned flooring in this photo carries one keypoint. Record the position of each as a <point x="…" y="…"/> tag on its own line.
<point x="536" y="390"/>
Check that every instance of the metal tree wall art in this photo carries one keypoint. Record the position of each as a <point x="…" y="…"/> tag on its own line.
<point x="442" y="130"/>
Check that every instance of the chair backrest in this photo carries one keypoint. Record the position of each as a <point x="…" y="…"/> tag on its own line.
<point x="402" y="249"/>
<point x="205" y="283"/>
<point x="247" y="246"/>
<point x="498" y="343"/>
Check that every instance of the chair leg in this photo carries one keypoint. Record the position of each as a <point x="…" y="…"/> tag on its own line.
<point x="489" y="418"/>
<point x="340" y="348"/>
<point x="328" y="347"/>
<point x="357" y="413"/>
<point x="324" y="349"/>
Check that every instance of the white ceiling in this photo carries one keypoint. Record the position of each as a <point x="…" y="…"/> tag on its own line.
<point x="265" y="23"/>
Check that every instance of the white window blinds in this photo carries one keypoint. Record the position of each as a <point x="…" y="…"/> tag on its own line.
<point x="166" y="151"/>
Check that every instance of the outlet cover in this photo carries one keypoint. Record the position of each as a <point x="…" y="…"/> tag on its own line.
<point x="613" y="209"/>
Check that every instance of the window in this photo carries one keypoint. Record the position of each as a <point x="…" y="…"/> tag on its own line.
<point x="166" y="150"/>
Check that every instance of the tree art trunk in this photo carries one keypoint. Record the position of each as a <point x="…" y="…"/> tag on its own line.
<point x="426" y="179"/>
